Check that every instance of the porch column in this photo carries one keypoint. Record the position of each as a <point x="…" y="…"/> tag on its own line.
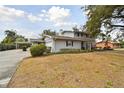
<point x="85" y="45"/>
<point x="90" y="45"/>
<point x="16" y="45"/>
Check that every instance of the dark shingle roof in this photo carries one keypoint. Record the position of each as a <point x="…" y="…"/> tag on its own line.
<point x="36" y="40"/>
<point x="72" y="38"/>
<point x="74" y="32"/>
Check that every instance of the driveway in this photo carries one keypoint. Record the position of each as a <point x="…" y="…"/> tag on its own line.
<point x="8" y="63"/>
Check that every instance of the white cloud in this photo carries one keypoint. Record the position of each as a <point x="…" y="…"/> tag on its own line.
<point x="41" y="15"/>
<point x="46" y="19"/>
<point x="59" y="16"/>
<point x="44" y="11"/>
<point x="60" y="24"/>
<point x="27" y="33"/>
<point x="33" y="18"/>
<point x="9" y="14"/>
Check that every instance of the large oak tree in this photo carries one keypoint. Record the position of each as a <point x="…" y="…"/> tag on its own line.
<point x="104" y="17"/>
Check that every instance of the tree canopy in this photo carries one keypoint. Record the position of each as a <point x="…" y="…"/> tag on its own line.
<point x="12" y="37"/>
<point x="47" y="32"/>
<point x="104" y="17"/>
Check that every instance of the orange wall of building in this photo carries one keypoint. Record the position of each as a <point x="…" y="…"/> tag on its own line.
<point x="102" y="45"/>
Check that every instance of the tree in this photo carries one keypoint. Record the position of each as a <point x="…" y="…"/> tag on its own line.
<point x="104" y="17"/>
<point x="10" y="33"/>
<point x="75" y="28"/>
<point x="122" y="43"/>
<point x="20" y="39"/>
<point x="48" y="32"/>
<point x="10" y="37"/>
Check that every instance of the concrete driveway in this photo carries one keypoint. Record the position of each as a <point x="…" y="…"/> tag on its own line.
<point x="8" y="63"/>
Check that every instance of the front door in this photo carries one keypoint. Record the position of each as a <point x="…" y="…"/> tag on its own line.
<point x="82" y="45"/>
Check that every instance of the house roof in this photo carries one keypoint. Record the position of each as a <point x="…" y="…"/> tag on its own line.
<point x="72" y="38"/>
<point x="66" y="31"/>
<point x="36" y="40"/>
<point x="73" y="32"/>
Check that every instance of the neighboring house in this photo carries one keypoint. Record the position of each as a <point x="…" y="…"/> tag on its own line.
<point x="109" y="44"/>
<point x="35" y="41"/>
<point x="20" y="42"/>
<point x="69" y="40"/>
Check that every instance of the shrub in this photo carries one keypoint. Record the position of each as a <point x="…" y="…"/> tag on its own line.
<point x="70" y="50"/>
<point x="107" y="48"/>
<point x="73" y="51"/>
<point x="37" y="50"/>
<point x="48" y="50"/>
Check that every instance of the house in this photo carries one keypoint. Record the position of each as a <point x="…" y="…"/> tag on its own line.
<point x="109" y="44"/>
<point x="35" y="41"/>
<point x="69" y="40"/>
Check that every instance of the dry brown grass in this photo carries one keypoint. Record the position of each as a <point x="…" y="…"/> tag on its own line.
<point x="97" y="69"/>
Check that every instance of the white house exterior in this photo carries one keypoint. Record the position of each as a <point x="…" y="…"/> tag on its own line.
<point x="69" y="40"/>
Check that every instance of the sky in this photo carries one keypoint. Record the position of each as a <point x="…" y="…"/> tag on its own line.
<point x="31" y="20"/>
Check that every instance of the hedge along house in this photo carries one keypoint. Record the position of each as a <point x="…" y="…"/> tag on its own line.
<point x="69" y="40"/>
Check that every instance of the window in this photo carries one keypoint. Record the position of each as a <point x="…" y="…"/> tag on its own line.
<point x="78" y="34"/>
<point x="69" y="43"/>
<point x="87" y="35"/>
<point x="72" y="43"/>
<point x="81" y="34"/>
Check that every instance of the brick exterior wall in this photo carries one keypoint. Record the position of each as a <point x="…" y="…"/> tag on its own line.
<point x="110" y="45"/>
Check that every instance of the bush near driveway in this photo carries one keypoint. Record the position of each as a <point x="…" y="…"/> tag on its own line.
<point x="38" y="50"/>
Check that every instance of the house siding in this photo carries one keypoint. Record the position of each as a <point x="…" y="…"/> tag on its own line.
<point x="60" y="44"/>
<point x="49" y="42"/>
<point x="57" y="45"/>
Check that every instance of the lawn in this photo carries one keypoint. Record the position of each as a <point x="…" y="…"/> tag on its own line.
<point x="96" y="69"/>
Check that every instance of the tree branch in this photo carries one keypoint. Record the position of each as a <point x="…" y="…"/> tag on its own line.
<point x="117" y="25"/>
<point x="122" y="16"/>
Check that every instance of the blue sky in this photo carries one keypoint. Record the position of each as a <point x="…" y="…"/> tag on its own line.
<point x="30" y="20"/>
